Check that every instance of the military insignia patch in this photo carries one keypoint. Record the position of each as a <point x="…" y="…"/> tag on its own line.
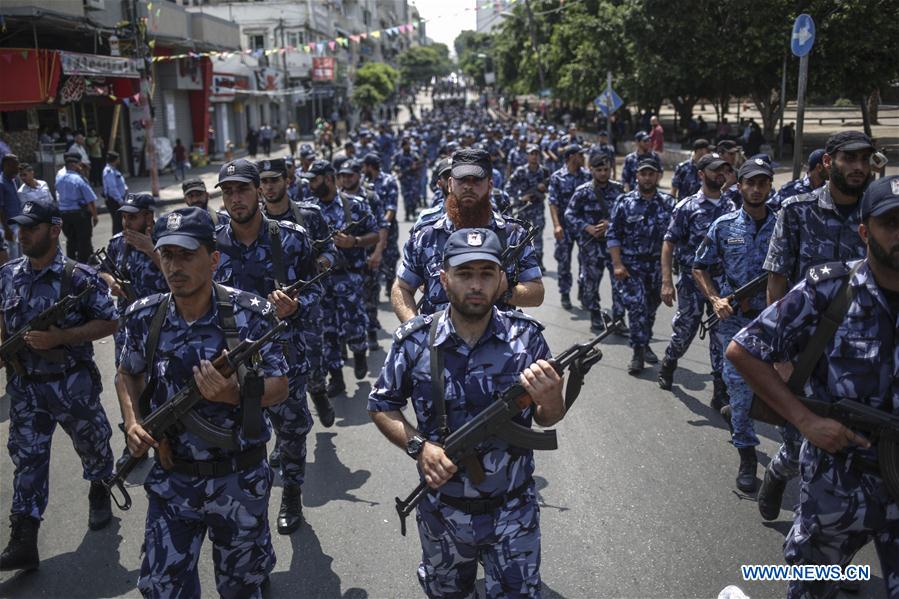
<point x="231" y="169"/>
<point x="894" y="187"/>
<point x="173" y="222"/>
<point x="475" y="239"/>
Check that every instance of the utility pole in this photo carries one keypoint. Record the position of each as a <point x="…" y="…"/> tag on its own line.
<point x="140" y="48"/>
<point x="533" y="29"/>
<point x="285" y="117"/>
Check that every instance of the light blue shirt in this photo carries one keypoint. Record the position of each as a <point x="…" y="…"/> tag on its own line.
<point x="41" y="192"/>
<point x="114" y="186"/>
<point x="73" y="192"/>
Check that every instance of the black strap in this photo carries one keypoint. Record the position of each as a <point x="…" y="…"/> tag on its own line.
<point x="297" y="213"/>
<point x="827" y="327"/>
<point x="143" y="403"/>
<point x="274" y="233"/>
<point x="347" y="209"/>
<point x="218" y="468"/>
<point x="438" y="385"/>
<point x="68" y="270"/>
<point x="214" y="216"/>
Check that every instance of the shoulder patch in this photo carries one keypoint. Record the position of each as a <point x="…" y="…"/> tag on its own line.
<point x="149" y="301"/>
<point x="86" y="269"/>
<point x="525" y="320"/>
<point x="802" y="198"/>
<point x="823" y="272"/>
<point x="410" y="326"/>
<point x="250" y="301"/>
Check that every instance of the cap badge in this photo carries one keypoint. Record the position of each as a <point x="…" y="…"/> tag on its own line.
<point x="475" y="239"/>
<point x="894" y="187"/>
<point x="267" y="165"/>
<point x="759" y="161"/>
<point x="231" y="169"/>
<point x="173" y="223"/>
<point x="27" y="208"/>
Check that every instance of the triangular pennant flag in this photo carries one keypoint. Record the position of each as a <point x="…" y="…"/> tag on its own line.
<point x="376" y="34"/>
<point x="320" y="47"/>
<point x="355" y="39"/>
<point x="331" y="45"/>
<point x="363" y="35"/>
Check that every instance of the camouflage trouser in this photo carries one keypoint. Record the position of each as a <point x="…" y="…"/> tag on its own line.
<point x="535" y="213"/>
<point x="34" y="411"/>
<point x="391" y="253"/>
<point x="345" y="319"/>
<point x="691" y="306"/>
<point x="839" y="512"/>
<point x="411" y="190"/>
<point x="641" y="295"/>
<point x="506" y="542"/>
<point x="372" y="294"/>
<point x="292" y="422"/>
<point x="562" y="254"/>
<point x="739" y="392"/>
<point x="594" y="260"/>
<point x="785" y="465"/>
<point x="313" y="340"/>
<point x="233" y="509"/>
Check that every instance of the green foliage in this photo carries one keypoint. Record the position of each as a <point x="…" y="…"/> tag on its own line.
<point x="366" y="96"/>
<point x="420" y="63"/>
<point x="473" y="51"/>
<point x="381" y="77"/>
<point x="844" y="103"/>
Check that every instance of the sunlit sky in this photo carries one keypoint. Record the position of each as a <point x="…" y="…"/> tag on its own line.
<point x="447" y="18"/>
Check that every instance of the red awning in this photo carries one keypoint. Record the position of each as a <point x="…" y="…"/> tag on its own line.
<point x="30" y="76"/>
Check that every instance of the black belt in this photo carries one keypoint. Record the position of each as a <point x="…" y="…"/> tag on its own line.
<point x="46" y="378"/>
<point x="218" y="468"/>
<point x="477" y="507"/>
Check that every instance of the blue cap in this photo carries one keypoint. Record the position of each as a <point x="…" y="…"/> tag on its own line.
<point x="641" y="136"/>
<point x="881" y="196"/>
<point x="571" y="149"/>
<point x="318" y="167"/>
<point x="468" y="245"/>
<point x="240" y="170"/>
<point x="135" y="202"/>
<point x="815" y="158"/>
<point x="35" y="212"/>
<point x="184" y="227"/>
<point x="471" y="163"/>
<point x="646" y="163"/>
<point x="848" y="141"/>
<point x="350" y="166"/>
<point x="306" y="151"/>
<point x="275" y="167"/>
<point x="755" y="166"/>
<point x="372" y="159"/>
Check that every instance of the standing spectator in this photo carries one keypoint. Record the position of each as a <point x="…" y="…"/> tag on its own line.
<point x="210" y="142"/>
<point x="293" y="137"/>
<point x="10" y="204"/>
<point x="723" y="129"/>
<point x="252" y="142"/>
<point x="657" y="135"/>
<point x="78" y="206"/>
<point x="84" y="164"/>
<point x="114" y="190"/>
<point x="266" y="134"/>
<point x="94" y="144"/>
<point x="32" y="188"/>
<point x="180" y="160"/>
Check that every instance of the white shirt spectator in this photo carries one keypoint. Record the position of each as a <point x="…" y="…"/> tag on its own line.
<point x="41" y="192"/>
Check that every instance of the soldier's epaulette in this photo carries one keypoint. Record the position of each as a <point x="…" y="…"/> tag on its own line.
<point x="291" y="226"/>
<point x="145" y="302"/>
<point x="587" y="185"/>
<point x="251" y="302"/>
<point x="410" y="326"/>
<point x="519" y="315"/>
<point x="86" y="269"/>
<point x="823" y="272"/>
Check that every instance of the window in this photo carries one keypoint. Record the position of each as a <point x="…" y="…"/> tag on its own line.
<point x="296" y="38"/>
<point x="256" y="41"/>
<point x="366" y="17"/>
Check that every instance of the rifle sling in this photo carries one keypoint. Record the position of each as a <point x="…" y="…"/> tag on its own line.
<point x="58" y="354"/>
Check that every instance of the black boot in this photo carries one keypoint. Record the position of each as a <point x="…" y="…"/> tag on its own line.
<point x="100" y="512"/>
<point x="21" y="553"/>
<point x="290" y="516"/>
<point x="636" y="365"/>
<point x="666" y="373"/>
<point x="719" y="393"/>
<point x="336" y="386"/>
<point x="597" y="321"/>
<point x="323" y="407"/>
<point x="746" y="480"/>
<point x="771" y="494"/>
<point x="360" y="365"/>
<point x="566" y="302"/>
<point x="373" y="341"/>
<point x="650" y="356"/>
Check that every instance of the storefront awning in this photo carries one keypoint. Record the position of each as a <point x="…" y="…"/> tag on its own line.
<point x="31" y="77"/>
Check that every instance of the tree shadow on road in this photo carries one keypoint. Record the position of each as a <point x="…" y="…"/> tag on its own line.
<point x="328" y="479"/>
<point x="58" y="575"/>
<point x="310" y="573"/>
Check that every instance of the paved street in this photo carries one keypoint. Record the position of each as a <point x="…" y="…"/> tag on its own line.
<point x="638" y="501"/>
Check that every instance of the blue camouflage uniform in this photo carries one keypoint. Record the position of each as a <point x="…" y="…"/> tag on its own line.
<point x="298" y="190"/>
<point x="607" y="150"/>
<point x="409" y="178"/>
<point x="788" y="190"/>
<point x="689" y="224"/>
<point x="588" y="205"/>
<point x="809" y="231"/>
<point x="250" y="268"/>
<point x="733" y="195"/>
<point x="343" y="306"/>
<point x="842" y="504"/>
<point x="138" y="268"/>
<point x="637" y="227"/>
<point x="309" y="216"/>
<point x="629" y="168"/>
<point x="233" y="508"/>
<point x="385" y="186"/>
<point x="61" y="386"/>
<point x="516" y="157"/>
<point x="386" y="146"/>
<point x="507" y="540"/>
<point x="562" y="184"/>
<point x="686" y="179"/>
<point x="371" y="279"/>
<point x="423" y="258"/>
<point x="733" y="252"/>
<point x="524" y="181"/>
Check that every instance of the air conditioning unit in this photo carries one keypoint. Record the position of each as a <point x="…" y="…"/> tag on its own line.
<point x="95" y="4"/>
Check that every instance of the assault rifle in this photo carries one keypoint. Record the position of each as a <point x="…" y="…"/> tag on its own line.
<point x="169" y="414"/>
<point x="296" y="288"/>
<point x="496" y="419"/>
<point x="744" y="292"/>
<point x="102" y="260"/>
<point x="9" y="350"/>
<point x="319" y="244"/>
<point x="881" y="428"/>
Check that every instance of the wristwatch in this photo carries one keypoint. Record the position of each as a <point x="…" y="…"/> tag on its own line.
<point x="414" y="446"/>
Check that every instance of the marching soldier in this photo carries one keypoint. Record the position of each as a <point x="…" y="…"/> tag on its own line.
<point x="562" y="184"/>
<point x="195" y="194"/>
<point x="527" y="188"/>
<point x="686" y="179"/>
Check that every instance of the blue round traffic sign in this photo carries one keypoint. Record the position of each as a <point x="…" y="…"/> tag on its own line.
<point x="803" y="36"/>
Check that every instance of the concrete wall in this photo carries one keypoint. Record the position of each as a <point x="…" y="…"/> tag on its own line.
<point x="213" y="30"/>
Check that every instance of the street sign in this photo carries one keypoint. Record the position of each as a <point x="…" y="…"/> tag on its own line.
<point x="803" y="35"/>
<point x="608" y="101"/>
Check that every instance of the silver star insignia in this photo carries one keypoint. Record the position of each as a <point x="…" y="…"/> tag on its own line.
<point x="825" y="270"/>
<point x="144" y="301"/>
<point x="254" y="302"/>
